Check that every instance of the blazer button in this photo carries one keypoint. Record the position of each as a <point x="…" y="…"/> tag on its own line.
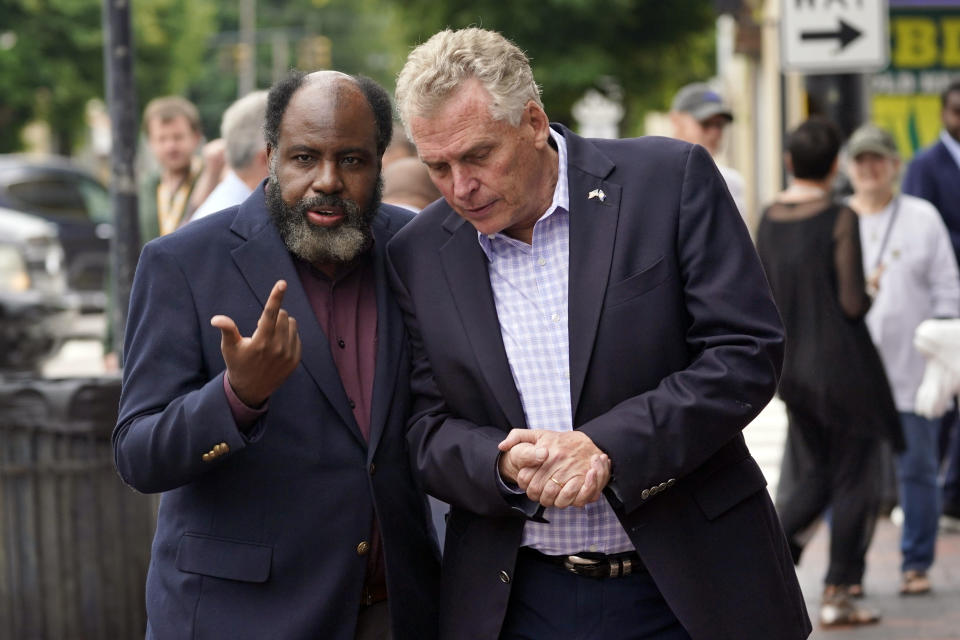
<point x="645" y="494"/>
<point x="373" y="468"/>
<point x="504" y="577"/>
<point x="205" y="457"/>
<point x="662" y="486"/>
<point x="363" y="548"/>
<point x="671" y="482"/>
<point x="654" y="490"/>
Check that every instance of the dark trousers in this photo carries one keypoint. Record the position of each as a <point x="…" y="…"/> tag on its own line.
<point x="547" y="601"/>
<point x="822" y="469"/>
<point x="950" y="456"/>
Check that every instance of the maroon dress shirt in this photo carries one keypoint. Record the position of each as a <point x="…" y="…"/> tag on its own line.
<point x="346" y="308"/>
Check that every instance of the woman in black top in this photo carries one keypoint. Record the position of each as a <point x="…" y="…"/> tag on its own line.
<point x="839" y="404"/>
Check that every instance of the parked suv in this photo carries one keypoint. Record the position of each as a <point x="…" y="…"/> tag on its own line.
<point x="57" y="190"/>
<point x="35" y="313"/>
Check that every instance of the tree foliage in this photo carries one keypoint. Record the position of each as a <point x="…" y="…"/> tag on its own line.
<point x="51" y="59"/>
<point x="647" y="47"/>
<point x="51" y="51"/>
<point x="353" y="36"/>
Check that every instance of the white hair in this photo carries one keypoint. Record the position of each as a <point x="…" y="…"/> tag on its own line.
<point x="242" y="129"/>
<point x="441" y="64"/>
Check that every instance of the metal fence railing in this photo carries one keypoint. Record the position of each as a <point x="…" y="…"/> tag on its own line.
<point x="74" y="540"/>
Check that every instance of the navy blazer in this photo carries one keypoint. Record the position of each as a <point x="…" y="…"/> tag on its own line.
<point x="264" y="541"/>
<point x="933" y="175"/>
<point x="675" y="345"/>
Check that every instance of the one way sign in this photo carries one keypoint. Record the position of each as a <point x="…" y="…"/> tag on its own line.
<point x="834" y="36"/>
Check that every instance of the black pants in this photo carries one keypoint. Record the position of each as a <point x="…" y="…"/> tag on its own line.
<point x="547" y="601"/>
<point x="825" y="468"/>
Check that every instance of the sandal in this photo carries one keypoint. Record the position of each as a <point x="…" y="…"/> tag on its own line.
<point x="855" y="591"/>
<point x="838" y="611"/>
<point x="915" y="583"/>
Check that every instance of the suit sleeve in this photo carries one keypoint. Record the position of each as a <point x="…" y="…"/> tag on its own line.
<point x="172" y="410"/>
<point x="918" y="181"/>
<point x="942" y="273"/>
<point x="734" y="337"/>
<point x="455" y="459"/>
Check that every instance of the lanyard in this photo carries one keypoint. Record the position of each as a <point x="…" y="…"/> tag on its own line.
<point x="886" y="233"/>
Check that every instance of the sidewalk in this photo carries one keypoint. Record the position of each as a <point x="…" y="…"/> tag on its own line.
<point x="932" y="617"/>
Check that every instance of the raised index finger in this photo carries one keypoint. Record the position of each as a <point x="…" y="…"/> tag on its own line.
<point x="268" y="319"/>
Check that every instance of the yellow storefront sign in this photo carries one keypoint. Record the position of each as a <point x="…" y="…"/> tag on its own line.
<point x="924" y="59"/>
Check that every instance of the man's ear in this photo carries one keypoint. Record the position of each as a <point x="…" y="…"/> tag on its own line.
<point x="539" y="122"/>
<point x="675" y="123"/>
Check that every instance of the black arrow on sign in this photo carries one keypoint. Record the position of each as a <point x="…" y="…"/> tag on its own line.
<point x="846" y="34"/>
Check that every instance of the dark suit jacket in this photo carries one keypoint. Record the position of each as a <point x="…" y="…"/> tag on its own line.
<point x="263" y="542"/>
<point x="675" y="345"/>
<point x="933" y="175"/>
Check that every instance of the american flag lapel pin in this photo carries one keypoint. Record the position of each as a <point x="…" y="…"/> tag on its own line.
<point x="597" y="193"/>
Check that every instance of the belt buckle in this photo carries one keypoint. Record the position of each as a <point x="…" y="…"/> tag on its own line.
<point x="580" y="565"/>
<point x="596" y="568"/>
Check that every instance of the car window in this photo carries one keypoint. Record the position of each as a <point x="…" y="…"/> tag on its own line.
<point x="97" y="199"/>
<point x="51" y="196"/>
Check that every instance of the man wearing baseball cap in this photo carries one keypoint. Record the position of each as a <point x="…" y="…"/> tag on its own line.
<point x="911" y="269"/>
<point x="699" y="115"/>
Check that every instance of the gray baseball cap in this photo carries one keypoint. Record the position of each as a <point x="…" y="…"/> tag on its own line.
<point x="872" y="139"/>
<point x="701" y="102"/>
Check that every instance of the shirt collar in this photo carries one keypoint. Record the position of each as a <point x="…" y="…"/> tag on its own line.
<point x="561" y="193"/>
<point x="952" y="146"/>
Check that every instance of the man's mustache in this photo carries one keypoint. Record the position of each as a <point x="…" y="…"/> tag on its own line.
<point x="348" y="206"/>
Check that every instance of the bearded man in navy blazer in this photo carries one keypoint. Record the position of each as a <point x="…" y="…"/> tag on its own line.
<point x="266" y="392"/>
<point x="591" y="331"/>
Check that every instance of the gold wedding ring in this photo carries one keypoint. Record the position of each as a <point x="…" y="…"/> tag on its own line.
<point x="556" y="482"/>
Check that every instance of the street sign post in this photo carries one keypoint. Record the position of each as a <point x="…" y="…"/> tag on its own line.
<point x="834" y="36"/>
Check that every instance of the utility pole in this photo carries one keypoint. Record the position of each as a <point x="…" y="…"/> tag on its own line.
<point x="121" y="101"/>
<point x="247" y="81"/>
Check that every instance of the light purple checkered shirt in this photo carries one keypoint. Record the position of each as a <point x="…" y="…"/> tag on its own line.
<point x="530" y="290"/>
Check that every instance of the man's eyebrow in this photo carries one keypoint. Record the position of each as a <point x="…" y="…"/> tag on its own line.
<point x="480" y="146"/>
<point x="349" y="150"/>
<point x="297" y="148"/>
<point x="302" y="147"/>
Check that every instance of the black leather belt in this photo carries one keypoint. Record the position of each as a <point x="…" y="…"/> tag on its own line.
<point x="593" y="565"/>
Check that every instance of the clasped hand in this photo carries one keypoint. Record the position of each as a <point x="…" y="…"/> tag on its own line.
<point x="258" y="365"/>
<point x="556" y="468"/>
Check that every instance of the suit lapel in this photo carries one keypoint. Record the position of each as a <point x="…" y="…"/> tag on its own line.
<point x="465" y="267"/>
<point x="390" y="338"/>
<point x="262" y="260"/>
<point x="593" y="230"/>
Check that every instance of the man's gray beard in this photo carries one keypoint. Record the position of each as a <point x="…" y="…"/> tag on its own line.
<point x="323" y="245"/>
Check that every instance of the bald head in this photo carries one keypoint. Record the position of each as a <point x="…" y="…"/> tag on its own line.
<point x="336" y="89"/>
<point x="406" y="182"/>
